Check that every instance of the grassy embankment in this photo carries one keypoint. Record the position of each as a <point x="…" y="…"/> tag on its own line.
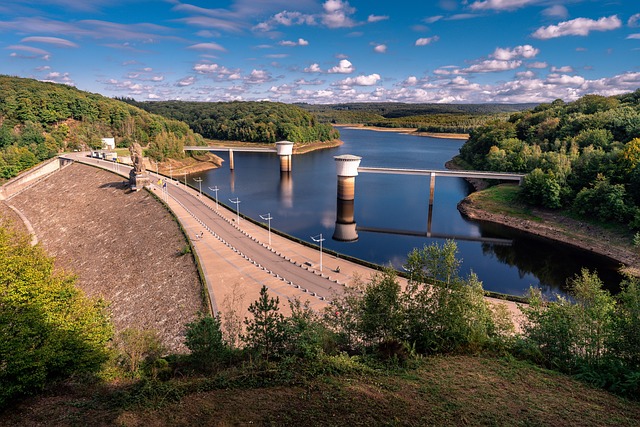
<point x="444" y="390"/>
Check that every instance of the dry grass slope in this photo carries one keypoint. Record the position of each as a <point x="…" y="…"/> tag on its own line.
<point x="123" y="246"/>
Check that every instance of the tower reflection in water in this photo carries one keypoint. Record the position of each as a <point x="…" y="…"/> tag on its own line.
<point x="345" y="230"/>
<point x="286" y="189"/>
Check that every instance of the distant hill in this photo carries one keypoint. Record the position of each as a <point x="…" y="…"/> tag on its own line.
<point x="246" y="121"/>
<point x="39" y="120"/>
<point x="447" y="118"/>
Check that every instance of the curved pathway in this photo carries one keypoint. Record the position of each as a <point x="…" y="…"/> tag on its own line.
<point x="235" y="258"/>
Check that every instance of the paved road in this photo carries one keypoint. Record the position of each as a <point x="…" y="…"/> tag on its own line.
<point x="292" y="274"/>
<point x="280" y="265"/>
<point x="293" y="267"/>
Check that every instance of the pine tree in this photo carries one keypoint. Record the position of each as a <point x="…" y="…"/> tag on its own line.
<point x="265" y="332"/>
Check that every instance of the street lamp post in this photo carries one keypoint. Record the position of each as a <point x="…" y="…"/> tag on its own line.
<point x="199" y="181"/>
<point x="237" y="202"/>
<point x="215" y="189"/>
<point x="317" y="239"/>
<point x="268" y="217"/>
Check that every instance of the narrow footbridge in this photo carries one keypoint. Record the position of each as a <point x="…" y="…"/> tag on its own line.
<point x="284" y="150"/>
<point x="503" y="176"/>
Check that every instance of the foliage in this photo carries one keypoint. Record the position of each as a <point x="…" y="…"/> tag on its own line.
<point x="439" y="312"/>
<point x="447" y="118"/>
<point x="204" y="339"/>
<point x="265" y="122"/>
<point x="593" y="335"/>
<point x="588" y="148"/>
<point x="603" y="201"/>
<point x="540" y="188"/>
<point x="38" y="120"/>
<point x="139" y="351"/>
<point x="265" y="331"/>
<point x="49" y="330"/>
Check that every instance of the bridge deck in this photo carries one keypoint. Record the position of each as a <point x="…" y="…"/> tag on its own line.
<point x="450" y="173"/>
<point x="238" y="149"/>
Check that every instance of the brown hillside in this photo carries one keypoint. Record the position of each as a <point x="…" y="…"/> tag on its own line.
<point x="123" y="246"/>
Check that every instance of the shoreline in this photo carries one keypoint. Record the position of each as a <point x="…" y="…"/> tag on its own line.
<point x="407" y="131"/>
<point x="564" y="230"/>
<point x="194" y="164"/>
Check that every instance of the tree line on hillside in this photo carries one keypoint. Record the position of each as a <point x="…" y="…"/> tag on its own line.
<point x="583" y="155"/>
<point x="53" y="333"/>
<point x="39" y="120"/>
<point x="260" y="122"/>
<point x="442" y="118"/>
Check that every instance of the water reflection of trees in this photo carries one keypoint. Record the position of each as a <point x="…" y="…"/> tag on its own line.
<point x="551" y="262"/>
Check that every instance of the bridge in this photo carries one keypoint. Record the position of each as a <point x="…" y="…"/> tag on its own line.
<point x="348" y="167"/>
<point x="284" y="150"/>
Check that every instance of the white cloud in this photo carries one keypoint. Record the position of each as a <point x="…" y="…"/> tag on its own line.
<point x="634" y="21"/>
<point x="313" y="68"/>
<point x="300" y="42"/>
<point x="577" y="27"/>
<point x="526" y="51"/>
<point x="187" y="81"/>
<point x="565" y="69"/>
<point x="432" y="19"/>
<point x="216" y="71"/>
<point x="343" y="67"/>
<point x="537" y="64"/>
<point x="423" y="41"/>
<point x="369" y="80"/>
<point x="381" y="48"/>
<point x="526" y="74"/>
<point x="410" y="81"/>
<point x="374" y="18"/>
<point x="556" y="11"/>
<point x="258" y="76"/>
<point x="337" y="14"/>
<point x="492" y="66"/>
<point x="501" y="4"/>
<point x="634" y="36"/>
<point x="49" y="40"/>
<point x="28" y="49"/>
<point x="565" y="80"/>
<point x="207" y="46"/>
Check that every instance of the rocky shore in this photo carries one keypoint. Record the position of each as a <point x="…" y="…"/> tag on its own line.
<point x="556" y="227"/>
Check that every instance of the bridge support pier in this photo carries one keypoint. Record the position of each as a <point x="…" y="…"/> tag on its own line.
<point x="285" y="151"/>
<point x="231" y="165"/>
<point x="432" y="188"/>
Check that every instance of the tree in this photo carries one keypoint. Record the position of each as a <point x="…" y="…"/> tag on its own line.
<point x="204" y="339"/>
<point x="49" y="330"/>
<point x="381" y="311"/>
<point x="265" y="332"/>
<point x="445" y="313"/>
<point x="541" y="188"/>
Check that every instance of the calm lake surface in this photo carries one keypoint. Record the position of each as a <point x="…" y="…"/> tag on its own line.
<point x="396" y="208"/>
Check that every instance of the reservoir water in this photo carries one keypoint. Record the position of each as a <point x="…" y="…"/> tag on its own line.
<point x="391" y="211"/>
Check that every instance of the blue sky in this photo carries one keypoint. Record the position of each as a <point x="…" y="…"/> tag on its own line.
<point x="327" y="51"/>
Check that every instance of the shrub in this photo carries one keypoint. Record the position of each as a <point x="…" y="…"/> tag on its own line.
<point x="204" y="339"/>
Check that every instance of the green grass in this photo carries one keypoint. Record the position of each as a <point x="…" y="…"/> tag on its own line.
<point x="503" y="199"/>
<point x="442" y="390"/>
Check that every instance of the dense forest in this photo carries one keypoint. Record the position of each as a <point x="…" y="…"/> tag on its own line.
<point x="443" y="118"/>
<point x="583" y="155"/>
<point x="39" y="120"/>
<point x="265" y="122"/>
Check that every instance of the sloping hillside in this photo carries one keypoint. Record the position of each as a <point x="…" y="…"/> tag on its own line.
<point x="123" y="246"/>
